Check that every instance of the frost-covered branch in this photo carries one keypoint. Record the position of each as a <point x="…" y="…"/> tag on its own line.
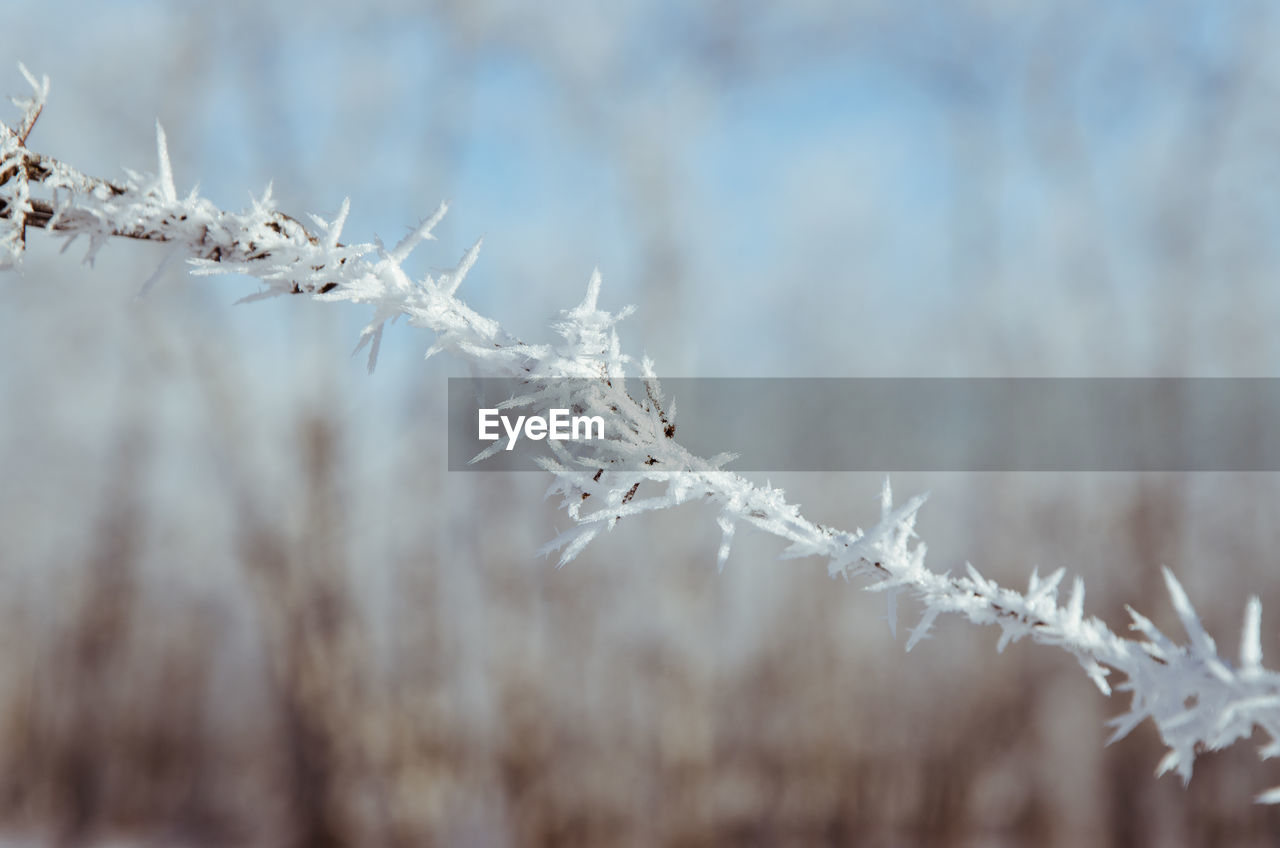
<point x="1197" y="699"/>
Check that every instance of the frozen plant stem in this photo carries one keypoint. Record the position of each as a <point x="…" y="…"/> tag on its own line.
<point x="1197" y="699"/>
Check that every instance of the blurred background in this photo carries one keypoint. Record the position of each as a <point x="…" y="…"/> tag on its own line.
<point x="244" y="603"/>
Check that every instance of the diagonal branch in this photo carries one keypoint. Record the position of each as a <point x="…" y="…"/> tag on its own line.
<point x="1197" y="699"/>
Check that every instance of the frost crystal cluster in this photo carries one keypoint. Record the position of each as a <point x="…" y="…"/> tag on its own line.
<point x="1198" y="699"/>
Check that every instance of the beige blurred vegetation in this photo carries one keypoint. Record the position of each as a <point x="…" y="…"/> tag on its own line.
<point x="243" y="605"/>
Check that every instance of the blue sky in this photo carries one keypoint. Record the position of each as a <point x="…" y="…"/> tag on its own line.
<point x="963" y="188"/>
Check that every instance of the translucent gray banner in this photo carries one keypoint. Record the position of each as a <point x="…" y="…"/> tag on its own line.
<point x="916" y="424"/>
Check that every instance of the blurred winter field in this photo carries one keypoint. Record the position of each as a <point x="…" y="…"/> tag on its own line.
<point x="244" y="603"/>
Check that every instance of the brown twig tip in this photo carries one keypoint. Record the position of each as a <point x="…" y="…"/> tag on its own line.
<point x="30" y="124"/>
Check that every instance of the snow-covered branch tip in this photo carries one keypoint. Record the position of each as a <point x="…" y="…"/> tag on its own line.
<point x="1197" y="699"/>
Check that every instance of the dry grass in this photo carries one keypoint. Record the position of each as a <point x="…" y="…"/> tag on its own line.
<point x="512" y="703"/>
